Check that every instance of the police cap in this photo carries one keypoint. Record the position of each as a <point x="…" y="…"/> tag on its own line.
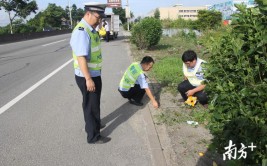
<point x="96" y="7"/>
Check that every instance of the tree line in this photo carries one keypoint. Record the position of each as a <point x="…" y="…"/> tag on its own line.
<point x="53" y="17"/>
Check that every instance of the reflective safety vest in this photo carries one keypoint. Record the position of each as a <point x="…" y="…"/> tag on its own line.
<point x="130" y="76"/>
<point x="95" y="62"/>
<point x="102" y="32"/>
<point x="191" y="76"/>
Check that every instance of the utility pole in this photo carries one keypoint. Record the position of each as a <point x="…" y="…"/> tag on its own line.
<point x="128" y="26"/>
<point x="70" y="15"/>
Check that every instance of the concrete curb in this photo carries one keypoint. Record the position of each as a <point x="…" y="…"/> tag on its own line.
<point x="158" y="158"/>
<point x="153" y="139"/>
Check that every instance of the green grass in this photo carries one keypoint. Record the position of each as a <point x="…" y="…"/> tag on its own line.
<point x="168" y="71"/>
<point x="172" y="117"/>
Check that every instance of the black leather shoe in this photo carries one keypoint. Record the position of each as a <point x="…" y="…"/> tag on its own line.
<point x="102" y="140"/>
<point x="136" y="103"/>
<point x="102" y="126"/>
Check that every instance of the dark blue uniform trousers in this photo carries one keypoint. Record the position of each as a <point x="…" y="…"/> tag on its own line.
<point x="91" y="107"/>
<point x="185" y="86"/>
<point x="135" y="93"/>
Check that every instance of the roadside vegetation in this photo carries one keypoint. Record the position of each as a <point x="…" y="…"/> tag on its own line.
<point x="52" y="18"/>
<point x="236" y="72"/>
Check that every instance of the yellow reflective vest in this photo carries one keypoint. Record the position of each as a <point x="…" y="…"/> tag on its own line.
<point x="191" y="76"/>
<point x="102" y="32"/>
<point x="130" y="76"/>
<point x="95" y="62"/>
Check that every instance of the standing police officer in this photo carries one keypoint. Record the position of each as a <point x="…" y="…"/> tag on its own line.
<point x="86" y="51"/>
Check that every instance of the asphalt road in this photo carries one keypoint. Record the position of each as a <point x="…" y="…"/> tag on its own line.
<point x="42" y="124"/>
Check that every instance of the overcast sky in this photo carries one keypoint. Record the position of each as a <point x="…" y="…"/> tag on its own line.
<point x="138" y="7"/>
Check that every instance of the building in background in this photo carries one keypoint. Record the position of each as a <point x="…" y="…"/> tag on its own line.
<point x="178" y="11"/>
<point x="228" y="8"/>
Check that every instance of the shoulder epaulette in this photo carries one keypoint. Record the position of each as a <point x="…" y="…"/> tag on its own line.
<point x="81" y="28"/>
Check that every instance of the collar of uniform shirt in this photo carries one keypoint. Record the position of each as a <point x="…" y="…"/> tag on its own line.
<point x="89" y="26"/>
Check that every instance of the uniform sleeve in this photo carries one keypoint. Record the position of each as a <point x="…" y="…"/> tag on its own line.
<point x="200" y="72"/>
<point x="141" y="80"/>
<point x="80" y="42"/>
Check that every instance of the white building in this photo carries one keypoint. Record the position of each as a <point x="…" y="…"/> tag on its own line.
<point x="178" y="11"/>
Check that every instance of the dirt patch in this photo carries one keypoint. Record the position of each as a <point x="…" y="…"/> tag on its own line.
<point x="182" y="143"/>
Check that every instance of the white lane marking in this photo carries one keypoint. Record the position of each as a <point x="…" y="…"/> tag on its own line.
<point x="53" y="42"/>
<point x="26" y="92"/>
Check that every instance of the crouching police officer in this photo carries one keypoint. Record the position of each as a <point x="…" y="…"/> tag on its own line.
<point x="87" y="58"/>
<point x="133" y="84"/>
<point x="194" y="76"/>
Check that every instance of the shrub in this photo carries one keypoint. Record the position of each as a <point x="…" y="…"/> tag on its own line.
<point x="4" y="30"/>
<point x="179" y="23"/>
<point x="208" y="19"/>
<point x="237" y="74"/>
<point x="146" y="33"/>
<point x="125" y="26"/>
<point x="188" y="35"/>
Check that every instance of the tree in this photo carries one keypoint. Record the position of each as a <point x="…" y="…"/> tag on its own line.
<point x="21" y="8"/>
<point x="157" y="14"/>
<point x="208" y="19"/>
<point x="53" y="15"/>
<point x="121" y="12"/>
<point x="77" y="14"/>
<point x="138" y="19"/>
<point x="37" y="22"/>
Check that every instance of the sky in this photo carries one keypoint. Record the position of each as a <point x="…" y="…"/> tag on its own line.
<point x="138" y="7"/>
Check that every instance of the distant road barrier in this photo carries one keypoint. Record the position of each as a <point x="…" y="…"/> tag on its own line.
<point x="9" y="38"/>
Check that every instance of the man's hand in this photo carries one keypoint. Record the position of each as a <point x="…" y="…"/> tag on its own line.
<point x="190" y="92"/>
<point x="90" y="85"/>
<point x="155" y="104"/>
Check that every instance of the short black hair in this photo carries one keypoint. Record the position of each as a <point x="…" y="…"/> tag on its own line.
<point x="189" y="55"/>
<point x="147" y="59"/>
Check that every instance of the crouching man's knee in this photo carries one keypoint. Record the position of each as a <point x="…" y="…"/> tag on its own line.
<point x="202" y="98"/>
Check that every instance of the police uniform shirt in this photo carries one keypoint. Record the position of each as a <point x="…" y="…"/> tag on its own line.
<point x="81" y="45"/>
<point x="97" y="28"/>
<point x="106" y="26"/>
<point x="141" y="80"/>
<point x="199" y="73"/>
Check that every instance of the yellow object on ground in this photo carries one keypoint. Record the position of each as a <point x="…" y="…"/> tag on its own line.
<point x="191" y="100"/>
<point x="201" y="154"/>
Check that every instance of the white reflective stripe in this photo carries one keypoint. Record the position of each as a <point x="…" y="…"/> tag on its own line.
<point x="123" y="85"/>
<point x="94" y="65"/>
<point x="130" y="76"/>
<point x="76" y="62"/>
<point x="95" y="49"/>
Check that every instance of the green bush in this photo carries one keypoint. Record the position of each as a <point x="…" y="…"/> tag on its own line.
<point x="237" y="74"/>
<point x="24" y="28"/>
<point x="4" y="30"/>
<point x="125" y="26"/>
<point x="208" y="19"/>
<point x="179" y="23"/>
<point x="146" y="33"/>
<point x="190" y="35"/>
